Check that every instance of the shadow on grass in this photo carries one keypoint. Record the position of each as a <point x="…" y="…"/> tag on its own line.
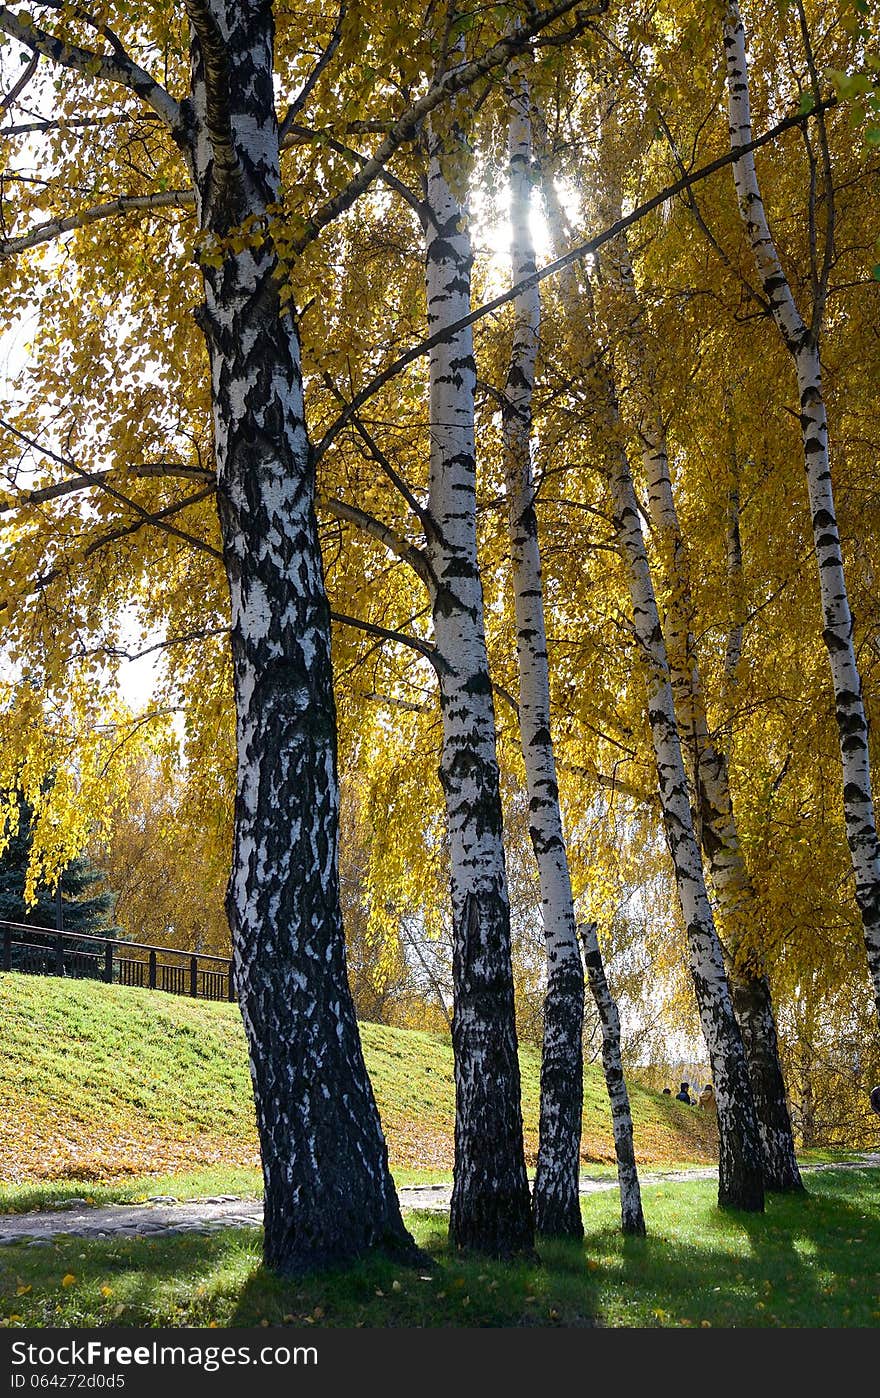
<point x="808" y="1262"/>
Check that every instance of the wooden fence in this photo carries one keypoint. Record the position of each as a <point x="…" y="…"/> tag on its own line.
<point x="44" y="951"/>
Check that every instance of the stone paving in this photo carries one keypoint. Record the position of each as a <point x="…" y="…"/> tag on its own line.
<point x="164" y="1216"/>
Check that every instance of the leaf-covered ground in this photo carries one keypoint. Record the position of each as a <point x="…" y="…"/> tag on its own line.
<point x="102" y="1082"/>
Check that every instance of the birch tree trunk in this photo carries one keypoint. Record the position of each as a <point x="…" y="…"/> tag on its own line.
<point x="718" y="830"/>
<point x="802" y="344"/>
<point x="491" y="1208"/>
<point x="328" y="1191"/>
<point x="631" y="1216"/>
<point x="556" y="1190"/>
<point x="706" y="761"/>
<point x="740" y="1180"/>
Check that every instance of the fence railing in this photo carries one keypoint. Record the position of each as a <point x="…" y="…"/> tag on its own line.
<point x="45" y="951"/>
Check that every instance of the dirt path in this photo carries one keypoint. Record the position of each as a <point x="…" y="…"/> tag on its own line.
<point x="163" y="1216"/>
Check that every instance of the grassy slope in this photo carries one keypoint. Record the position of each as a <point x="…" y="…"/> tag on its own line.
<point x="98" y="1083"/>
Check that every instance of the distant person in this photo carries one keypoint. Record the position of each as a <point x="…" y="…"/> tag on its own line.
<point x="874" y="1099"/>
<point x="707" y="1096"/>
<point x="683" y="1095"/>
<point x="667" y="1092"/>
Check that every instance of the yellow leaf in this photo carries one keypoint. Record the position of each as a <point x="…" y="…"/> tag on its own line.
<point x="22" y="1291"/>
<point x="106" y="1290"/>
<point x="68" y="1280"/>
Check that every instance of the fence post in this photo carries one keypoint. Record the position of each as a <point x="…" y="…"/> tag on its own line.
<point x="194" y="975"/>
<point x="231" y="983"/>
<point x="108" y="963"/>
<point x="59" y="954"/>
<point x="152" y="980"/>
<point x="7" y="948"/>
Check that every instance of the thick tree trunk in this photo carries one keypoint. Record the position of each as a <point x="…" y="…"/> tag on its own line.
<point x="328" y="1191"/>
<point x="631" y="1216"/>
<point x="802" y="344"/>
<point x="555" y="1194"/>
<point x="740" y="1181"/>
<point x="719" y="835"/>
<point x="491" y="1208"/>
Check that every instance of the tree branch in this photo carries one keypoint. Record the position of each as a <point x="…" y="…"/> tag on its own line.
<point x="119" y="69"/>
<point x="294" y="130"/>
<point x="384" y="533"/>
<point x="320" y="67"/>
<point x="18" y="87"/>
<point x="114" y="535"/>
<point x="145" y="470"/>
<point x="402" y="638"/>
<point x="123" y="204"/>
<point x="100" y="480"/>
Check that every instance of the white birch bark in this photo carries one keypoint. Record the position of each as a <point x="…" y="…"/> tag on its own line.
<point x="712" y="806"/>
<point x="328" y="1191"/>
<point x="631" y="1216"/>
<point x="740" y="1175"/>
<point x="802" y="344"/>
<point x="718" y="831"/>
<point x="491" y="1207"/>
<point x="556" y="1193"/>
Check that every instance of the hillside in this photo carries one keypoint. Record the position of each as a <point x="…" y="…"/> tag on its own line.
<point x="99" y="1082"/>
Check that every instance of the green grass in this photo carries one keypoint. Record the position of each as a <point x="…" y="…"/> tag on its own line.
<point x="103" y="1084"/>
<point x="811" y="1261"/>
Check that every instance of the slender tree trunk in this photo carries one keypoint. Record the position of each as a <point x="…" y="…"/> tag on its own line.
<point x="802" y="344"/>
<point x="739" y="1167"/>
<point x="706" y="761"/>
<point x="556" y="1189"/>
<point x="632" y="1218"/>
<point x="740" y="1181"/>
<point x="491" y="1208"/>
<point x="737" y="906"/>
<point x="328" y="1191"/>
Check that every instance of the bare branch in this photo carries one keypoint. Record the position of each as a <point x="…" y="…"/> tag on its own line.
<point x="93" y="65"/>
<point x="320" y="67"/>
<point x="402" y="638"/>
<point x="124" y="204"/>
<point x="18" y="87"/>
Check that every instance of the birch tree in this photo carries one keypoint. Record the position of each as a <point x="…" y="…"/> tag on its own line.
<point x="490" y="1208"/>
<point x="740" y="1178"/>
<point x="328" y="1191"/>
<point x="556" y="1198"/>
<point x="802" y="342"/>
<point x="705" y="759"/>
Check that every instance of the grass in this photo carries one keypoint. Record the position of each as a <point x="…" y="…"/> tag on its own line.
<point x="109" y="1086"/>
<point x="810" y="1261"/>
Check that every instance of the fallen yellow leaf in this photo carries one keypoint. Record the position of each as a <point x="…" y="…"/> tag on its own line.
<point x="22" y="1291"/>
<point x="106" y="1290"/>
<point x="68" y="1280"/>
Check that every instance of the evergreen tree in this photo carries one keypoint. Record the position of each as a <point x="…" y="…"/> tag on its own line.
<point x="80" y="913"/>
